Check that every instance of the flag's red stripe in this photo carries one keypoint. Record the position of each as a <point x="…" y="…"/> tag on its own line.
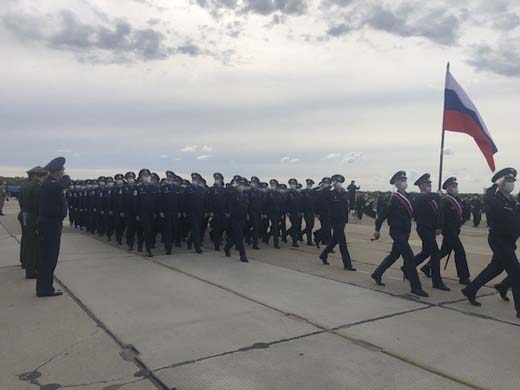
<point x="459" y="122"/>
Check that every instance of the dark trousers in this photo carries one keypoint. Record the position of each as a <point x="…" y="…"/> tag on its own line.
<point x="323" y="234"/>
<point x="237" y="236"/>
<point x="50" y="237"/>
<point x="296" y="226"/>
<point x="338" y="237"/>
<point x="119" y="223"/>
<point x="504" y="259"/>
<point x="32" y="249"/>
<point x="195" y="226"/>
<point x="254" y="222"/>
<point x="147" y="222"/>
<point x="219" y="225"/>
<point x="401" y="247"/>
<point x="109" y="224"/>
<point x="451" y="242"/>
<point x="22" y="240"/>
<point x="309" y="225"/>
<point x="274" y="218"/>
<point x="131" y="228"/>
<point x="100" y="223"/>
<point x="430" y="249"/>
<point x="169" y="229"/>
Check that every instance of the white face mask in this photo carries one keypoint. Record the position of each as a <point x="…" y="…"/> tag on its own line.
<point x="453" y="191"/>
<point x="253" y="184"/>
<point x="309" y="186"/>
<point x="273" y="187"/>
<point x="110" y="184"/>
<point x="119" y="182"/>
<point x="428" y="189"/>
<point x="402" y="185"/>
<point x="293" y="186"/>
<point x="509" y="186"/>
<point x="147" y="179"/>
<point x="338" y="185"/>
<point x="131" y="181"/>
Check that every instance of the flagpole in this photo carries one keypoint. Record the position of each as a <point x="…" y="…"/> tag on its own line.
<point x="442" y="137"/>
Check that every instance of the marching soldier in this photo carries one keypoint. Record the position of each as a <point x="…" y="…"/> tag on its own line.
<point x="118" y="207"/>
<point x="256" y="205"/>
<point x="237" y="211"/>
<point x="504" y="230"/>
<point x="338" y="206"/>
<point x="169" y="212"/>
<point x="322" y="210"/>
<point x="399" y="212"/>
<point x="129" y="204"/>
<point x="426" y="216"/>
<point x="217" y="202"/>
<point x="450" y="220"/>
<point x="52" y="211"/>
<point x="195" y="206"/>
<point x="295" y="211"/>
<point x="274" y="206"/>
<point x="147" y="195"/>
<point x="308" y="209"/>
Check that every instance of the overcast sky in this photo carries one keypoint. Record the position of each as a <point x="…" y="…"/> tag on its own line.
<point x="274" y="88"/>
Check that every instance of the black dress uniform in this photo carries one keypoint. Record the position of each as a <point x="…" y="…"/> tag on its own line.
<point x="274" y="207"/>
<point x="169" y="207"/>
<point x="309" y="209"/>
<point x="196" y="198"/>
<point x="504" y="231"/>
<point x="237" y="208"/>
<point x="338" y="200"/>
<point x="399" y="211"/>
<point x="217" y="206"/>
<point x="52" y="211"/>
<point x="147" y="204"/>
<point x="256" y="205"/>
<point x="129" y="203"/>
<point x="118" y="207"/>
<point x="427" y="217"/>
<point x="451" y="219"/>
<point x="295" y="211"/>
<point x="322" y="210"/>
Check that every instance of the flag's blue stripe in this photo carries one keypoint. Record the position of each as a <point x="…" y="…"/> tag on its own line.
<point x="452" y="102"/>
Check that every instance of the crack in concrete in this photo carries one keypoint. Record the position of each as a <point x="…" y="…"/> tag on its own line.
<point x="254" y="346"/>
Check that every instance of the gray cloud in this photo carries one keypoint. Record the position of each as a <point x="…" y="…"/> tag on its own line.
<point x="260" y="7"/>
<point x="506" y="21"/>
<point x="502" y="58"/>
<point x="410" y="19"/>
<point x="115" y="42"/>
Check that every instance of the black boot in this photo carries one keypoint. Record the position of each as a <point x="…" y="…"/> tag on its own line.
<point x="295" y="244"/>
<point x="471" y="297"/>
<point x="244" y="260"/>
<point x="149" y="253"/>
<point x="228" y="253"/>
<point x="378" y="280"/>
<point x="324" y="260"/>
<point x="420" y="293"/>
<point x="502" y="291"/>
<point x="427" y="271"/>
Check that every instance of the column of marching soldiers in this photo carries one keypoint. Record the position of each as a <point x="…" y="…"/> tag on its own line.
<point x="136" y="208"/>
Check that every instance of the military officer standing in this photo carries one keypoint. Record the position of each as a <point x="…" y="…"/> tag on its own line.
<point x="338" y="206"/>
<point x="504" y="231"/>
<point x="426" y="216"/>
<point x="52" y="211"/>
<point x="399" y="212"/>
<point x="130" y="203"/>
<point x="118" y="208"/>
<point x="29" y="205"/>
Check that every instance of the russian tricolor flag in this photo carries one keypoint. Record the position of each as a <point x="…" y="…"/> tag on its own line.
<point x="461" y="115"/>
